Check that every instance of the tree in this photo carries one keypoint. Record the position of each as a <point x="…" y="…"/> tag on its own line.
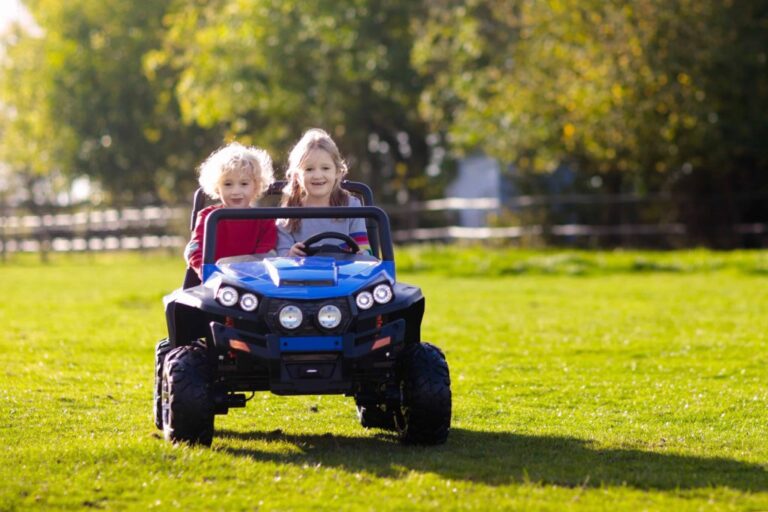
<point x="643" y="92"/>
<point x="270" y="69"/>
<point x="77" y="99"/>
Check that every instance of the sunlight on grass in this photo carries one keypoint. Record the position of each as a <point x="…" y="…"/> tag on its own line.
<point x="581" y="380"/>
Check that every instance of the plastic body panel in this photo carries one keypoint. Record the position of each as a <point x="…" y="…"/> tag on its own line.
<point x="250" y="351"/>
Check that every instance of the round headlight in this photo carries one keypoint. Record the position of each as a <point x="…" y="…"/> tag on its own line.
<point x="290" y="317"/>
<point x="227" y="296"/>
<point x="364" y="300"/>
<point x="249" y="302"/>
<point x="329" y="316"/>
<point x="382" y="294"/>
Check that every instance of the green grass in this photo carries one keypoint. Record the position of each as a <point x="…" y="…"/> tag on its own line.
<point x="479" y="261"/>
<point x="592" y="381"/>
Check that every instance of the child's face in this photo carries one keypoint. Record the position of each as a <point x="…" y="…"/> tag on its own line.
<point x="237" y="190"/>
<point x="319" y="174"/>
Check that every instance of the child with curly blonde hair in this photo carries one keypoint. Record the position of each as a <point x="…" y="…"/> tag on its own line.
<point x="236" y="175"/>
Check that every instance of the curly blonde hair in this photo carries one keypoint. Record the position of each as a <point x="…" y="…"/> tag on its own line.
<point x="236" y="158"/>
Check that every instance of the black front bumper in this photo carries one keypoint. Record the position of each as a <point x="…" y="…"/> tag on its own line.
<point x="299" y="365"/>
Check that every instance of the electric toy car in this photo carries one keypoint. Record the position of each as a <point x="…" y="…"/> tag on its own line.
<point x="333" y="322"/>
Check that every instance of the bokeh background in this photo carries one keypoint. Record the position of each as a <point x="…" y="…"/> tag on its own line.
<point x="563" y="122"/>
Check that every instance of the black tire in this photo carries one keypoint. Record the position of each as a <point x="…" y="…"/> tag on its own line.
<point x="373" y="416"/>
<point x="425" y="383"/>
<point x="161" y="350"/>
<point x="188" y="408"/>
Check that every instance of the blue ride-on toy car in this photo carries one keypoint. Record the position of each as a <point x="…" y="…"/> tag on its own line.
<point x="334" y="322"/>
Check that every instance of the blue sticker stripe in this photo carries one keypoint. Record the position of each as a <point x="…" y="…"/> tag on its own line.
<point x="311" y="344"/>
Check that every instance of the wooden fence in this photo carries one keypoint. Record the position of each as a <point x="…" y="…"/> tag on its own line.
<point x="588" y="220"/>
<point x="163" y="227"/>
<point x="95" y="230"/>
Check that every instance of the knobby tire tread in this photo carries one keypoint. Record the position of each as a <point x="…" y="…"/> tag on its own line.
<point x="190" y="405"/>
<point x="427" y="396"/>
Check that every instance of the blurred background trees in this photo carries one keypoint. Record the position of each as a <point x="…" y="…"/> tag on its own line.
<point x="76" y="100"/>
<point x="636" y="97"/>
<point x="647" y="96"/>
<point x="268" y="70"/>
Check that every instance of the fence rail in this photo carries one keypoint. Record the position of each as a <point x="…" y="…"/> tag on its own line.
<point x="111" y="229"/>
<point x="564" y="230"/>
<point x="111" y="219"/>
<point x="435" y="220"/>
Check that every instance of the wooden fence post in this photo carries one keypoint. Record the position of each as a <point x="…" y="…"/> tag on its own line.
<point x="3" y="221"/>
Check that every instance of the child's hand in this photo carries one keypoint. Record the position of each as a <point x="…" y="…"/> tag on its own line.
<point x="297" y="249"/>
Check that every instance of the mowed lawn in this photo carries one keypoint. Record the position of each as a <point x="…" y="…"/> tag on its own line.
<point x="594" y="381"/>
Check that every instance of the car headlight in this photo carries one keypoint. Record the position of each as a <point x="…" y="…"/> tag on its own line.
<point x="227" y="296"/>
<point x="364" y="300"/>
<point x="249" y="302"/>
<point x="382" y="294"/>
<point x="290" y="317"/>
<point x="329" y="316"/>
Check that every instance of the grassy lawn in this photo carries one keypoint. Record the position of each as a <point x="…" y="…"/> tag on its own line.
<point x="615" y="381"/>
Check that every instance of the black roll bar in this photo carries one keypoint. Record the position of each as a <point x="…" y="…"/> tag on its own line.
<point x="356" y="187"/>
<point x="373" y="213"/>
<point x="276" y="189"/>
<point x="198" y="203"/>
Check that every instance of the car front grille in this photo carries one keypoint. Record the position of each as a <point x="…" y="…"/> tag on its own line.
<point x="309" y="325"/>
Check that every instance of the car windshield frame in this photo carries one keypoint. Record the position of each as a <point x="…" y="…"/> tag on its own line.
<point x="300" y="212"/>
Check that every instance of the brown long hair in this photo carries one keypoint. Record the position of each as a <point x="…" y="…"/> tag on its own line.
<point x="294" y="192"/>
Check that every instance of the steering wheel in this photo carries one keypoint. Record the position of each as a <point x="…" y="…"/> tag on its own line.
<point x="311" y="249"/>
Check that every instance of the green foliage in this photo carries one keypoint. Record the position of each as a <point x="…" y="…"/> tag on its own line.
<point x="645" y="88"/>
<point x="27" y="144"/>
<point x="612" y="390"/>
<point x="81" y="104"/>
<point x="268" y="70"/>
<point x="652" y="95"/>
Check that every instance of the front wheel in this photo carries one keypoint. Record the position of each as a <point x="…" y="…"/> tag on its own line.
<point x="424" y="416"/>
<point x="187" y="400"/>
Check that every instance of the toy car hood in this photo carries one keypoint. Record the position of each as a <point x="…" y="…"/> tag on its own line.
<point x="312" y="277"/>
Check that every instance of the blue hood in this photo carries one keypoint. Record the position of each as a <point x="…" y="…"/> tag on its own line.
<point x="315" y="277"/>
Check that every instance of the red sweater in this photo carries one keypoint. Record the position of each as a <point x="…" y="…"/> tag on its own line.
<point x="233" y="238"/>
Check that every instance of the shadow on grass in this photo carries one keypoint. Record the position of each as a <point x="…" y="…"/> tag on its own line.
<point x="497" y="458"/>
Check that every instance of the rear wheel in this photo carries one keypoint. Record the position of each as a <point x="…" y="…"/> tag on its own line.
<point x="376" y="416"/>
<point x="424" y="416"/>
<point x="161" y="350"/>
<point x="187" y="400"/>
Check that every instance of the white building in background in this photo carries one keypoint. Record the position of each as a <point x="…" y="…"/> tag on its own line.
<point x="478" y="177"/>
